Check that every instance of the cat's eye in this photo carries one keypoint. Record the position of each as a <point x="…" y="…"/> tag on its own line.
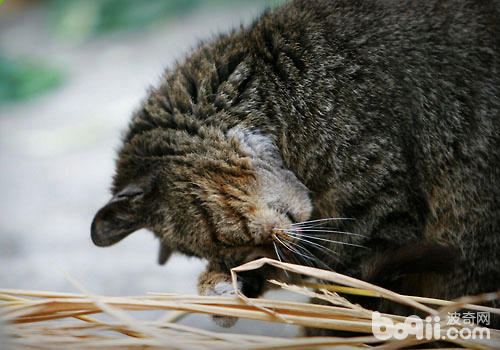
<point x="285" y="212"/>
<point x="290" y="217"/>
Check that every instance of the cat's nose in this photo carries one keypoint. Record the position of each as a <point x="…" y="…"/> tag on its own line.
<point x="267" y="233"/>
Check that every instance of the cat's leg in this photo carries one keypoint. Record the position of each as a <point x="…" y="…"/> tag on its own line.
<point x="216" y="280"/>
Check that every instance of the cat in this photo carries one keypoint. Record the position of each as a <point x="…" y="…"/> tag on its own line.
<point x="359" y="136"/>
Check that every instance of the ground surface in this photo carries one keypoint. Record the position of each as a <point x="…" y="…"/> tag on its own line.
<point x="56" y="159"/>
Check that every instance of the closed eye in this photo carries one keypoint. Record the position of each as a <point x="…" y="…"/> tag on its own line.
<point x="290" y="217"/>
<point x="281" y="210"/>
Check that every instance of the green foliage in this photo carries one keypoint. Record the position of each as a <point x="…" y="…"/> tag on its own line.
<point x="21" y="79"/>
<point x="80" y="19"/>
<point x="76" y="18"/>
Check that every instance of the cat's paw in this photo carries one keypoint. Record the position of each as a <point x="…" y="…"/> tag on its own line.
<point x="224" y="289"/>
<point x="225" y="321"/>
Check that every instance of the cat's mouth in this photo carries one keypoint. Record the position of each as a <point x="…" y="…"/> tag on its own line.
<point x="243" y="254"/>
<point x="281" y="248"/>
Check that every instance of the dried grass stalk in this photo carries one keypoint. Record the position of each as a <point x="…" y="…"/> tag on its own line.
<point x="49" y="320"/>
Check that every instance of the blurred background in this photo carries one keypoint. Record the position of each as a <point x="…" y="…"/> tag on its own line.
<point x="71" y="73"/>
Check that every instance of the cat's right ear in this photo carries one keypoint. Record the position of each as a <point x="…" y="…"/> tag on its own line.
<point x="118" y="218"/>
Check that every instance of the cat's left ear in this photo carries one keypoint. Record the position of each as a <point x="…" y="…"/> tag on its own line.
<point x="119" y="217"/>
<point x="164" y="252"/>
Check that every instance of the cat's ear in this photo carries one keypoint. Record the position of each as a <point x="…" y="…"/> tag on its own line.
<point x="164" y="253"/>
<point x="118" y="218"/>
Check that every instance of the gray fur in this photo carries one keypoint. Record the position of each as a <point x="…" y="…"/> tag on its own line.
<point x="387" y="112"/>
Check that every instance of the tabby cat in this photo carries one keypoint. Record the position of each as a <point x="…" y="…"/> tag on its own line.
<point x="360" y="136"/>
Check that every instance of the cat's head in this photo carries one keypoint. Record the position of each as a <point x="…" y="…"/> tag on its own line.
<point x="203" y="191"/>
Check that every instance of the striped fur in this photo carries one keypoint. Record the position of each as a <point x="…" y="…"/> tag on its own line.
<point x="384" y="111"/>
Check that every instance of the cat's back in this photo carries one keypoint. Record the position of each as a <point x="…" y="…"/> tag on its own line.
<point x="401" y="95"/>
<point x="387" y="111"/>
<point x="427" y="71"/>
<point x="413" y="96"/>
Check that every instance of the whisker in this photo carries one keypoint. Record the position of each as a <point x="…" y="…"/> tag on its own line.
<point x="299" y="235"/>
<point x="302" y="239"/>
<point x="305" y="256"/>
<point x="314" y="258"/>
<point x="325" y="249"/>
<point x="322" y="231"/>
<point x="319" y="220"/>
<point x="309" y="226"/>
<point x="300" y="260"/>
<point x="303" y="253"/>
<point x="288" y="245"/>
<point x="277" y="252"/>
<point x="278" y="255"/>
<point x="319" y="224"/>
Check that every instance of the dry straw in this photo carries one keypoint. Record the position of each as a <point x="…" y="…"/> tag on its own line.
<point x="50" y="320"/>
